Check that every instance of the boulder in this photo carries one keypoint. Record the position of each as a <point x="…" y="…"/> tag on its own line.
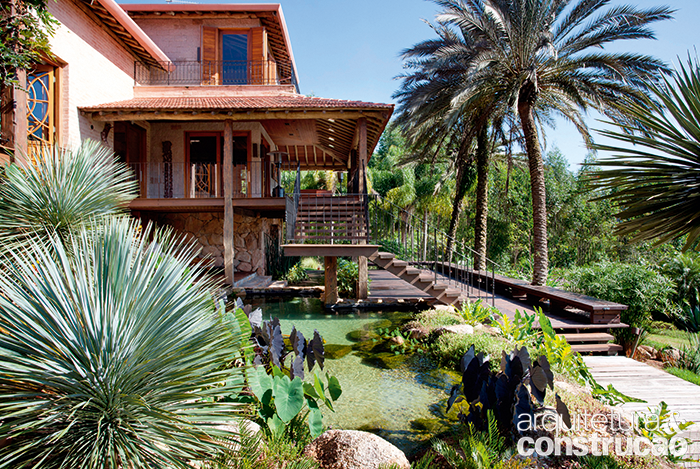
<point x="352" y="449"/>
<point x="417" y="333"/>
<point x="460" y="329"/>
<point x="398" y="340"/>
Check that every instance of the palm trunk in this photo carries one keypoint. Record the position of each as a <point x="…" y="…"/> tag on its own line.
<point x="540" y="266"/>
<point x="482" y="194"/>
<point x="456" y="206"/>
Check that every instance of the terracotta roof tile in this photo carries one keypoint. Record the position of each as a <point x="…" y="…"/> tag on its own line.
<point x="236" y="102"/>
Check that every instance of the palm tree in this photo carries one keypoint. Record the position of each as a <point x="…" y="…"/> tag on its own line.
<point x="655" y="177"/>
<point x="425" y="98"/>
<point x="543" y="57"/>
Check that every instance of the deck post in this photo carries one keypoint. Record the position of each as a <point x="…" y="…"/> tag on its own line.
<point x="228" y="201"/>
<point x="362" y="288"/>
<point x="330" y="296"/>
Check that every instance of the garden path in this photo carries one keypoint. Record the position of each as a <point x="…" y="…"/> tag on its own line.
<point x="653" y="385"/>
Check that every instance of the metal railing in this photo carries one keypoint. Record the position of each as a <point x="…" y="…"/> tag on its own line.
<point x="291" y="214"/>
<point x="205" y="180"/>
<point x="216" y="72"/>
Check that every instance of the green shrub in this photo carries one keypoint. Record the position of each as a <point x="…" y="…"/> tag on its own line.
<point x="477" y="312"/>
<point x="432" y="319"/>
<point x="296" y="274"/>
<point x="347" y="278"/>
<point x="690" y="354"/>
<point x="113" y="353"/>
<point x="448" y="349"/>
<point x="641" y="288"/>
<point x="684" y="270"/>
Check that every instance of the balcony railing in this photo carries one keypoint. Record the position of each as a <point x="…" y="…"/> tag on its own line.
<point x="221" y="72"/>
<point x="205" y="180"/>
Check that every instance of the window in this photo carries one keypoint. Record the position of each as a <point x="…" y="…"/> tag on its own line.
<point x="41" y="102"/>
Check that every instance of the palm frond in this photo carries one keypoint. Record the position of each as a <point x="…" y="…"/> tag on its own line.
<point x="655" y="177"/>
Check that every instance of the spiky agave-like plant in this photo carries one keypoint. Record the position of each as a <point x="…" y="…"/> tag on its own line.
<point x="61" y="191"/>
<point x="112" y="353"/>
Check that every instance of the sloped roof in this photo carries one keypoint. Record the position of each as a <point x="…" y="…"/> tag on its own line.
<point x="235" y="102"/>
<point x="116" y="22"/>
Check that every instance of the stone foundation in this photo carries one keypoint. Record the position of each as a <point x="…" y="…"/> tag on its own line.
<point x="206" y="230"/>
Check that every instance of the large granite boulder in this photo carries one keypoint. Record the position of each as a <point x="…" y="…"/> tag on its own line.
<point x="352" y="449"/>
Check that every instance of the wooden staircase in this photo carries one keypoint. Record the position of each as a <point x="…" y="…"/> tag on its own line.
<point x="422" y="279"/>
<point x="339" y="218"/>
<point x="592" y="342"/>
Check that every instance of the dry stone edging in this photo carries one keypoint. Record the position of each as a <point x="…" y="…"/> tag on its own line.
<point x="354" y="449"/>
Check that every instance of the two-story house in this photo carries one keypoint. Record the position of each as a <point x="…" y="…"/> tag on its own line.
<point x="203" y="102"/>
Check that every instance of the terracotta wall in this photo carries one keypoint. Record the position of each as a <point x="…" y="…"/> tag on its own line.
<point x="179" y="38"/>
<point x="97" y="71"/>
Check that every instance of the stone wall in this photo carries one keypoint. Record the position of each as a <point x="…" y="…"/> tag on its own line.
<point x="207" y="230"/>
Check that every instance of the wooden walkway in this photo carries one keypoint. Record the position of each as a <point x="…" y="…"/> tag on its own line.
<point x="386" y="286"/>
<point x="653" y="385"/>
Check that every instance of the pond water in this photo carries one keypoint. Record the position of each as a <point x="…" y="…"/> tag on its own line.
<point x="401" y="398"/>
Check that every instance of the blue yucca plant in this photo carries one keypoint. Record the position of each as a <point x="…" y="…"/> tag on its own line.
<point x="113" y="353"/>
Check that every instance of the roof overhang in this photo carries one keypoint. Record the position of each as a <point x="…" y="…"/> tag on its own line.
<point x="317" y="133"/>
<point x="270" y="15"/>
<point x="114" y="20"/>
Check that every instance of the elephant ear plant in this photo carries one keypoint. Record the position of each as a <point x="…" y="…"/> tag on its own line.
<point x="111" y="353"/>
<point x="282" y="397"/>
<point x="513" y="395"/>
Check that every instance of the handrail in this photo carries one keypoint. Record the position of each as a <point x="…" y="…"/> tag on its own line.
<point x="352" y="218"/>
<point x="291" y="226"/>
<point x="216" y="72"/>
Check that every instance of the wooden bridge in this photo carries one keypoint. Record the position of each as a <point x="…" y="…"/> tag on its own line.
<point x="341" y="226"/>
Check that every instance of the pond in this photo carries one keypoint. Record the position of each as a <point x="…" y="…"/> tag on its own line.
<point x="399" y="397"/>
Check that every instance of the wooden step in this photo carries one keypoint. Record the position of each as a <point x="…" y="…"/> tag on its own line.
<point x="597" y="348"/>
<point x="600" y="337"/>
<point x="385" y="255"/>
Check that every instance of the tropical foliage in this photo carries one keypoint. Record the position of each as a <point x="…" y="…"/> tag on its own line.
<point x="112" y="352"/>
<point x="654" y="176"/>
<point x="540" y="58"/>
<point x="62" y="193"/>
<point x="25" y="28"/>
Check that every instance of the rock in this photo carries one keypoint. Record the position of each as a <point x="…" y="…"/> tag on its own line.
<point x="244" y="256"/>
<point x="417" y="333"/>
<point x="490" y="330"/>
<point x="361" y="335"/>
<point x="381" y="324"/>
<point x="645" y="352"/>
<point x="245" y="267"/>
<point x="460" y="329"/>
<point x="384" y="360"/>
<point x="432" y="426"/>
<point x="447" y="308"/>
<point x="398" y="340"/>
<point x="236" y="427"/>
<point x="670" y="355"/>
<point x="335" y="351"/>
<point x="352" y="449"/>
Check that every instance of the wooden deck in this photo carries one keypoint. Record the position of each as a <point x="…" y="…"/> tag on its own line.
<point x="645" y="382"/>
<point x="387" y="286"/>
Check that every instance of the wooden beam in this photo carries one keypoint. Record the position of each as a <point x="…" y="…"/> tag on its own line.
<point x="20" y="117"/>
<point x="330" y="296"/>
<point x="228" y="202"/>
<point x="332" y="250"/>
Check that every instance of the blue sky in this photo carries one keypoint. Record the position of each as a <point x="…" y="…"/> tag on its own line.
<point x="350" y="49"/>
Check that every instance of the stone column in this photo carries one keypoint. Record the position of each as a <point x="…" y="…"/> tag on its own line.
<point x="228" y="201"/>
